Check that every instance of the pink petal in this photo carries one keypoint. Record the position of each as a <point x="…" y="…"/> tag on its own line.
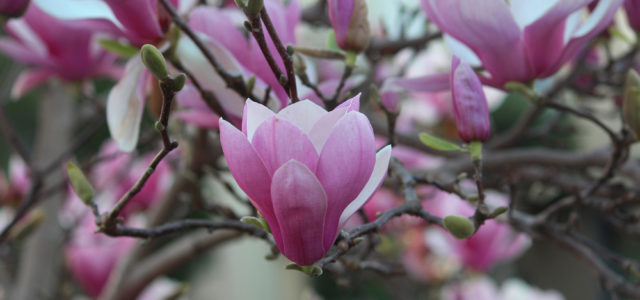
<point x="300" y="205"/>
<point x="216" y="24"/>
<point x="303" y="114"/>
<point x="139" y="18"/>
<point x="489" y="29"/>
<point x="431" y="83"/>
<point x="278" y="141"/>
<point x="345" y="165"/>
<point x="249" y="172"/>
<point x="599" y="19"/>
<point x="20" y="52"/>
<point x="190" y="97"/>
<point x="340" y="12"/>
<point x="325" y="125"/>
<point x="254" y="114"/>
<point x="544" y="38"/>
<point x="377" y="177"/>
<point x="352" y="104"/>
<point x="28" y="80"/>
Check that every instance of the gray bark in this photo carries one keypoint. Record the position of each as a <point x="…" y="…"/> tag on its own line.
<point x="41" y="260"/>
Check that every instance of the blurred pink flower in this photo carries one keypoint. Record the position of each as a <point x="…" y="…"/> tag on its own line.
<point x="143" y="21"/>
<point x="350" y="23"/>
<point x="518" y="40"/>
<point x="494" y="242"/>
<point x="237" y="53"/>
<point x="53" y="47"/>
<point x="15" y="188"/>
<point x="92" y="256"/>
<point x="140" y="22"/>
<point x="115" y="175"/>
<point x="305" y="169"/>
<point x="484" y="288"/>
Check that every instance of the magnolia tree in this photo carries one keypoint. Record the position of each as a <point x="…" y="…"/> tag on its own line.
<point x="431" y="141"/>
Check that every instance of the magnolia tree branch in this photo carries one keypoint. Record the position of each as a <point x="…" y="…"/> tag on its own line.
<point x="284" y="54"/>
<point x="109" y="221"/>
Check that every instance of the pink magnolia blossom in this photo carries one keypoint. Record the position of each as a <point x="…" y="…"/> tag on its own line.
<point x="141" y="21"/>
<point x="469" y="103"/>
<point x="54" y="47"/>
<point x="350" y="23"/>
<point x="91" y="257"/>
<point x="13" y="8"/>
<point x="305" y="169"/>
<point x="519" y="40"/>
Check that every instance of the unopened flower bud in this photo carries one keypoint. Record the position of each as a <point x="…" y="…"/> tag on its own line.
<point x="178" y="82"/>
<point x="469" y="103"/>
<point x="350" y="23"/>
<point x="631" y="102"/>
<point x="459" y="227"/>
<point x="254" y="7"/>
<point x="80" y="184"/>
<point x="154" y="61"/>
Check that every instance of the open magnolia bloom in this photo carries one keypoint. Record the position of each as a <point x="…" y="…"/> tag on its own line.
<point x="141" y="21"/>
<point x="519" y="40"/>
<point x="305" y="169"/>
<point x="51" y="47"/>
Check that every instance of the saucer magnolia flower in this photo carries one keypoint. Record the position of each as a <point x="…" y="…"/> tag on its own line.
<point x="469" y="103"/>
<point x="350" y="24"/>
<point x="519" y="40"/>
<point x="53" y="47"/>
<point x="13" y="8"/>
<point x="140" y="21"/>
<point x="305" y="169"/>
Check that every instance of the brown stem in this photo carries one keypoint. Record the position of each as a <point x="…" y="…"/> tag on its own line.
<point x="286" y="58"/>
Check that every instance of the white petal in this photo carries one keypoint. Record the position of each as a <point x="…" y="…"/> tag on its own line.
<point x="124" y="107"/>
<point x="303" y="114"/>
<point x="379" y="172"/>
<point x="255" y="114"/>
